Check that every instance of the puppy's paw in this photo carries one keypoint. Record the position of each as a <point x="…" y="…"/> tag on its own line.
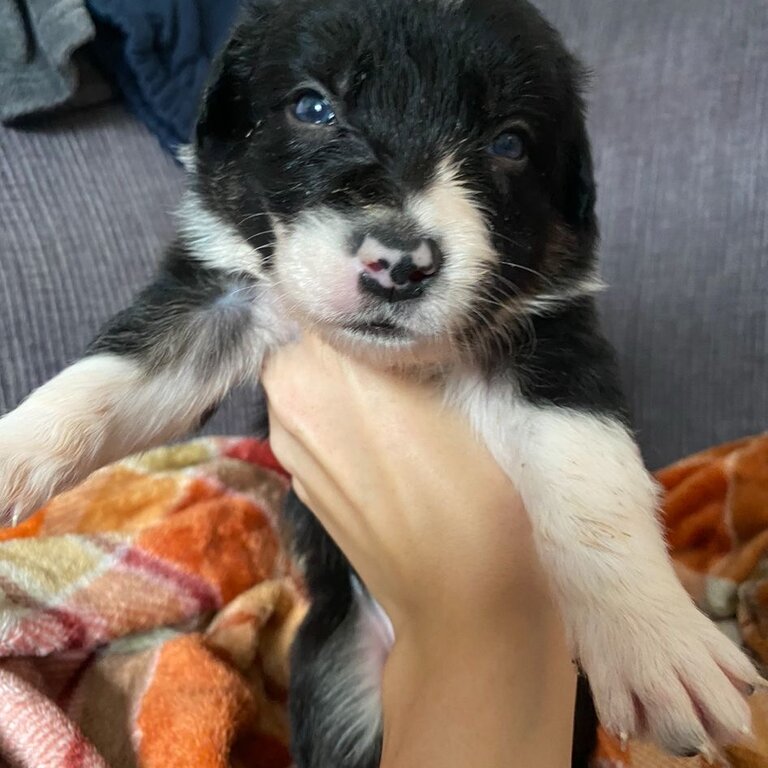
<point x="672" y="678"/>
<point x="35" y="463"/>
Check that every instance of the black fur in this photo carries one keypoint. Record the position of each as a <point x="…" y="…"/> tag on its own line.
<point x="570" y="363"/>
<point x="326" y="638"/>
<point x="168" y="317"/>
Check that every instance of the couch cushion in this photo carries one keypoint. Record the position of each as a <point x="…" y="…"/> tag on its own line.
<point x="85" y="209"/>
<point x="84" y="206"/>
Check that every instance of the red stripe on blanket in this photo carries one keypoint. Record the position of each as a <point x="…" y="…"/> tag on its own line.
<point x="255" y="452"/>
<point x="193" y="586"/>
<point x="75" y="755"/>
<point x="35" y="732"/>
<point x="43" y="630"/>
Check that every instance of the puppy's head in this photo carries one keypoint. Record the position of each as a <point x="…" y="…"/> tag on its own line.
<point x="408" y="174"/>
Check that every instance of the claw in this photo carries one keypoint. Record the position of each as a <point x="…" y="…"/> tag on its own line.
<point x="712" y="756"/>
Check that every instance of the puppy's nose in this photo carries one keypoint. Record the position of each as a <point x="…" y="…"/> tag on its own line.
<point x="397" y="274"/>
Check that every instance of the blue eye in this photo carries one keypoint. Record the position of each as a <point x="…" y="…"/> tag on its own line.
<point x="509" y="144"/>
<point x="312" y="107"/>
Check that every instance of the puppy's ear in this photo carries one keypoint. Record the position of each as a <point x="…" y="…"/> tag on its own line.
<point x="580" y="188"/>
<point x="225" y="114"/>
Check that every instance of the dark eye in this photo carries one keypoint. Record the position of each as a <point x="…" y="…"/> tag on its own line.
<point x="509" y="144"/>
<point x="312" y="107"/>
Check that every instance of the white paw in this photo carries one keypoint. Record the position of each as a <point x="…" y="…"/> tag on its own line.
<point x="35" y="463"/>
<point x="671" y="677"/>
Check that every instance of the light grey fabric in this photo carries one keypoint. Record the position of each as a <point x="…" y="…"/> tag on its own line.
<point x="680" y="126"/>
<point x="679" y="121"/>
<point x="37" y="41"/>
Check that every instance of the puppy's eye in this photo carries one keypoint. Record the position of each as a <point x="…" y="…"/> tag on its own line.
<point x="313" y="108"/>
<point x="510" y="145"/>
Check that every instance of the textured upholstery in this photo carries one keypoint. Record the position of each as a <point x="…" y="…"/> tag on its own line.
<point x="679" y="121"/>
<point x="679" y="117"/>
<point x="85" y="208"/>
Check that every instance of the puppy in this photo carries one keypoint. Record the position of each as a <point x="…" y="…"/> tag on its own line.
<point x="411" y="178"/>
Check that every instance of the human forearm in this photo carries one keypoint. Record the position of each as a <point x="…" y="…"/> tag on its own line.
<point x="492" y="692"/>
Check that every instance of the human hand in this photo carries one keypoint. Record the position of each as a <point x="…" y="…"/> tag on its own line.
<point x="418" y="505"/>
<point x="480" y="670"/>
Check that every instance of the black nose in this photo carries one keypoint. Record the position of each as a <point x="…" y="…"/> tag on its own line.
<point x="399" y="275"/>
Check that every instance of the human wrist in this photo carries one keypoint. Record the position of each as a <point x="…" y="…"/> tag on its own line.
<point x="490" y="686"/>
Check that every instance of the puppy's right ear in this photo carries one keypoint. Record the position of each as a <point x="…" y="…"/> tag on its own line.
<point x="225" y="114"/>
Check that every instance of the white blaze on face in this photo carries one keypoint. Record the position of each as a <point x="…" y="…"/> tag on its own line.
<point x="447" y="212"/>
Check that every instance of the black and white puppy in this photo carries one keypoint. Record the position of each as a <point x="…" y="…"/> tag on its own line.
<point x="412" y="178"/>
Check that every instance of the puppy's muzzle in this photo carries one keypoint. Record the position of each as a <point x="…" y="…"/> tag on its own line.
<point x="397" y="273"/>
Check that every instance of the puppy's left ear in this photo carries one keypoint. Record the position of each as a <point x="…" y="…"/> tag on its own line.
<point x="225" y="114"/>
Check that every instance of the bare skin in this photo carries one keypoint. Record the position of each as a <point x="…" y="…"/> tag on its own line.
<point x="479" y="674"/>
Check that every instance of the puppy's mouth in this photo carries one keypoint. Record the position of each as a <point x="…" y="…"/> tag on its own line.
<point x="382" y="329"/>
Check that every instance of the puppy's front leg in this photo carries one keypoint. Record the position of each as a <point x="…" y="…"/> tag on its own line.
<point x="657" y="666"/>
<point x="150" y="376"/>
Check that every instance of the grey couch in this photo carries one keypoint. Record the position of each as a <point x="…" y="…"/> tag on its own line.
<point x="679" y="118"/>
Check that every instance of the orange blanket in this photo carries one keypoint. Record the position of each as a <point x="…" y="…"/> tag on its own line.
<point x="146" y="615"/>
<point x="716" y="516"/>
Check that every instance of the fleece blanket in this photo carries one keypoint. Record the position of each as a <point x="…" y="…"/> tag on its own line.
<point x="146" y="616"/>
<point x="715" y="512"/>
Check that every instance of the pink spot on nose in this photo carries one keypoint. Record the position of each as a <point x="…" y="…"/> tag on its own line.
<point x="377" y="266"/>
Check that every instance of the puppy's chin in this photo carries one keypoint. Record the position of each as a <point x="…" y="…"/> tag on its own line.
<point x="383" y="344"/>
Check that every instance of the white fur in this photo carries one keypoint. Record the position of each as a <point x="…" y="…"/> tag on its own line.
<point x="544" y="303"/>
<point x="218" y="244"/>
<point x="185" y="154"/>
<point x="347" y="710"/>
<point x="316" y="274"/>
<point x="630" y="623"/>
<point x="96" y="411"/>
<point x="360" y="702"/>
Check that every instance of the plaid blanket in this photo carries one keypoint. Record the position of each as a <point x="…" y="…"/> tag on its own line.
<point x="716" y="516"/>
<point x="146" y="615"/>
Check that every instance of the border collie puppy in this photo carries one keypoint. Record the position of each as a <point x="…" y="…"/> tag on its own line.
<point x="411" y="178"/>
